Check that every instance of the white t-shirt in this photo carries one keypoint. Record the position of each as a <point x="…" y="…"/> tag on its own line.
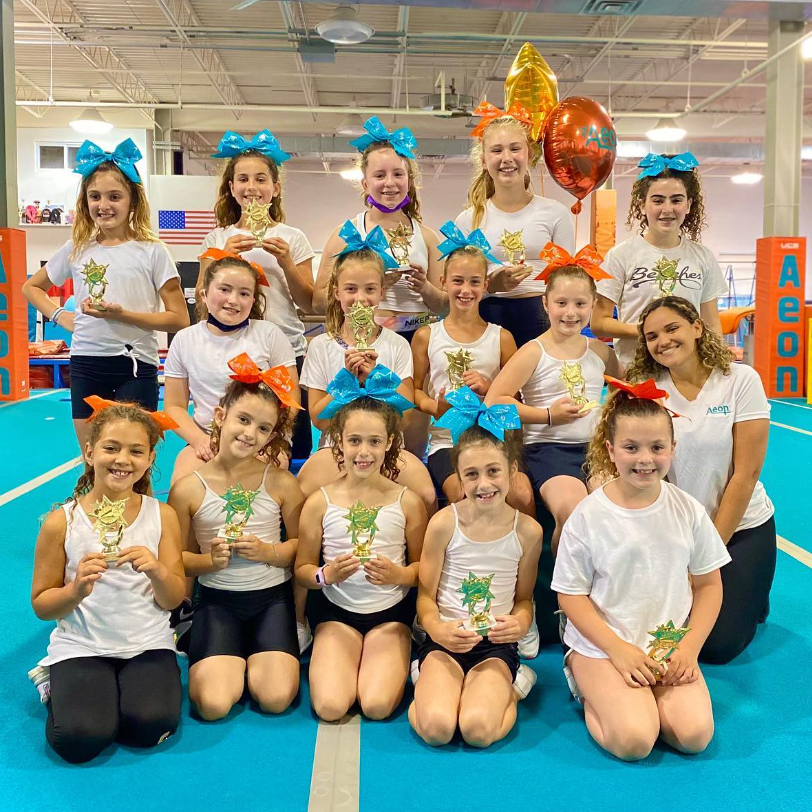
<point x="634" y="564"/>
<point x="136" y="272"/>
<point x="703" y="459"/>
<point x="279" y="306"/>
<point x="202" y="358"/>
<point x="325" y="357"/>
<point x="634" y="283"/>
<point x="541" y="221"/>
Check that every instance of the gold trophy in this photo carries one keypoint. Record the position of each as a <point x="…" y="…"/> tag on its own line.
<point x="109" y="523"/>
<point x="362" y="322"/>
<point x="362" y="522"/>
<point x="513" y="244"/>
<point x="400" y="240"/>
<point x="259" y="221"/>
<point x="573" y="377"/>
<point x="477" y="591"/>
<point x="95" y="276"/>
<point x="666" y="275"/>
<point x="238" y="511"/>
<point x="459" y="363"/>
<point x="667" y="638"/>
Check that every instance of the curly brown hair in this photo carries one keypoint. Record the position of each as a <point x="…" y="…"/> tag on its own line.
<point x="226" y="210"/>
<point x="694" y="221"/>
<point x="257" y="308"/>
<point x="391" y="420"/>
<point x="618" y="404"/>
<point x="278" y="444"/>
<point x="711" y="348"/>
<point x="571" y="272"/>
<point x="511" y="446"/>
<point x="412" y="208"/>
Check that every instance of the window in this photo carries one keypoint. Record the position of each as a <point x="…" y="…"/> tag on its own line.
<point x="56" y="156"/>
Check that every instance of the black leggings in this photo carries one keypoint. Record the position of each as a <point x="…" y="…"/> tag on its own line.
<point x="746" y="581"/>
<point x="302" y="440"/>
<point x="98" y="700"/>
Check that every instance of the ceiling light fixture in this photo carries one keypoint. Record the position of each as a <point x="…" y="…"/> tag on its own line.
<point x="666" y="129"/>
<point x="353" y="124"/>
<point x="354" y="174"/>
<point x="747" y="178"/>
<point x="806" y="48"/>
<point x="90" y="122"/>
<point x="343" y="27"/>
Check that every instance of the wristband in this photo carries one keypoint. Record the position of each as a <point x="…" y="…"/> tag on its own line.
<point x="56" y="314"/>
<point x="549" y="417"/>
<point x="321" y="581"/>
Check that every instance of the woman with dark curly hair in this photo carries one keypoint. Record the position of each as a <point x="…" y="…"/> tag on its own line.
<point x="721" y="439"/>
<point x="665" y="258"/>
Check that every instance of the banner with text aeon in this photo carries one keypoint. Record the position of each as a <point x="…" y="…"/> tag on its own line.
<point x="13" y="316"/>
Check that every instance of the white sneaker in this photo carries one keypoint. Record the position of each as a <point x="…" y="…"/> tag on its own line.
<point x="304" y="635"/>
<point x="529" y="644"/>
<point x="41" y="677"/>
<point x="414" y="670"/>
<point x="525" y="680"/>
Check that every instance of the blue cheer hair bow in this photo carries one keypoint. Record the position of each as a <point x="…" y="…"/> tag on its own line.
<point x="375" y="241"/>
<point x="264" y="142"/>
<point x="402" y="140"/>
<point x="381" y="384"/>
<point x="468" y="409"/>
<point x="125" y="156"/>
<point x="455" y="240"/>
<point x="653" y="165"/>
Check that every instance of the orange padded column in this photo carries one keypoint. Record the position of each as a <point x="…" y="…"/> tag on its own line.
<point x="13" y="316"/>
<point x="603" y="220"/>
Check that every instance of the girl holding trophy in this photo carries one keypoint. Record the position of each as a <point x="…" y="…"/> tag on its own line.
<point x="477" y="574"/>
<point x="639" y="558"/>
<point x="560" y="376"/>
<point x="230" y="514"/>
<point x="108" y="569"/>
<point x="368" y="531"/>
<point x="121" y="276"/>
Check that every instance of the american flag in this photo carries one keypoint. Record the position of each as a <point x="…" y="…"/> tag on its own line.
<point x="184" y="227"/>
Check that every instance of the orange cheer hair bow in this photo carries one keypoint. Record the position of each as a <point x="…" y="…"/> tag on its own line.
<point x="98" y="404"/>
<point x="587" y="259"/>
<point x="218" y="253"/>
<point x="277" y="379"/>
<point x="489" y="112"/>
<point x="647" y="390"/>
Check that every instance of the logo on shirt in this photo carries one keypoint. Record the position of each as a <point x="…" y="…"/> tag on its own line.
<point x="723" y="409"/>
<point x="686" y="277"/>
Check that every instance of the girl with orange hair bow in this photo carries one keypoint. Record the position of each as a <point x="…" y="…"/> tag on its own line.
<point x="231" y="512"/>
<point x="560" y="376"/>
<point x="515" y="221"/>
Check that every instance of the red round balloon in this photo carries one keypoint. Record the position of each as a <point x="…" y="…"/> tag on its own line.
<point x="579" y="146"/>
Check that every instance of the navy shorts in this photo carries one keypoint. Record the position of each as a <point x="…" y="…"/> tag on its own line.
<point x="402" y="612"/>
<point x="440" y="468"/>
<point x="525" y="319"/>
<point x="547" y="460"/>
<point x="508" y="653"/>
<point x="240" y="624"/>
<point x="111" y="377"/>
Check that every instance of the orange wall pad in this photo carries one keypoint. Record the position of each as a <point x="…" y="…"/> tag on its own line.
<point x="603" y="220"/>
<point x="780" y="327"/>
<point x="13" y="316"/>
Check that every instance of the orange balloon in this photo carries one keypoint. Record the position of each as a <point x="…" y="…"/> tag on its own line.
<point x="579" y="147"/>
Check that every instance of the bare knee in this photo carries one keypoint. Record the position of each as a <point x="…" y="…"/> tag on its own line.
<point x="378" y="706"/>
<point x="212" y="704"/>
<point x="331" y="708"/>
<point x="478" y="728"/>
<point x="631" y="743"/>
<point x="691" y="737"/>
<point x="433" y="725"/>
<point x="274" y="698"/>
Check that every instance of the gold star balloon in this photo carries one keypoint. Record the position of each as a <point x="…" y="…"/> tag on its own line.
<point x="531" y="83"/>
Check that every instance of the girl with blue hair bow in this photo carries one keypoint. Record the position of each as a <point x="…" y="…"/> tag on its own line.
<point x="114" y="350"/>
<point x="665" y="258"/>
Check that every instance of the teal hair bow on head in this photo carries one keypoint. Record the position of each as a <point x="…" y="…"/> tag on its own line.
<point x="455" y="240"/>
<point x="381" y="384"/>
<point x="468" y="410"/>
<point x="653" y="165"/>
<point x="374" y="241"/>
<point x="402" y="140"/>
<point x="264" y="142"/>
<point x="125" y="156"/>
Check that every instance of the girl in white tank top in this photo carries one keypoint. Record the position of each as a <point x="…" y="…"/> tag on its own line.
<point x="560" y="376"/>
<point x="230" y="516"/>
<point x="478" y="571"/>
<point x="368" y="531"/>
<point x="108" y="569"/>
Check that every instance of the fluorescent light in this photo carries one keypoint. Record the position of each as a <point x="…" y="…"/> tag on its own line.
<point x="747" y="178"/>
<point x="354" y="174"/>
<point x="666" y="130"/>
<point x="90" y="122"/>
<point x="806" y="48"/>
<point x="631" y="149"/>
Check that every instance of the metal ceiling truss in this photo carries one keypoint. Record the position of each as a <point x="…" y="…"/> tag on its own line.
<point x="510" y="23"/>
<point x="26" y="90"/>
<point x="198" y="148"/>
<point x="289" y="12"/>
<point x="399" y="70"/>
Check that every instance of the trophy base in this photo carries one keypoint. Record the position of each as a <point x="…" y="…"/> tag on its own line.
<point x="480" y="624"/>
<point x="588" y="406"/>
<point x="229" y="535"/>
<point x="97" y="306"/>
<point x="111" y="557"/>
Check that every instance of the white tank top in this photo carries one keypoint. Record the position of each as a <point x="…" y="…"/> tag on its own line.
<point x="545" y="386"/>
<point x="120" y="617"/>
<point x="486" y="354"/>
<point x="400" y="298"/>
<point x="356" y="594"/>
<point x="463" y="556"/>
<point x="240" y="575"/>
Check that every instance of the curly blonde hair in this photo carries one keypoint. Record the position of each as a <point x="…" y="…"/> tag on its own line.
<point x="412" y="208"/>
<point x="711" y="348"/>
<point x="694" y="221"/>
<point x="333" y="314"/>
<point x="618" y="404"/>
<point x="482" y="187"/>
<point x="226" y="210"/>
